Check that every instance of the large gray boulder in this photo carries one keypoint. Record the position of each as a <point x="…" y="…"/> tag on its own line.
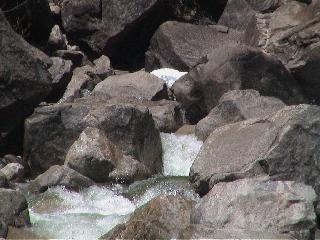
<point x="92" y="155"/>
<point x="24" y="80"/>
<point x="234" y="68"/>
<point x="52" y="129"/>
<point x="284" y="145"/>
<point x="291" y="33"/>
<point x="59" y="176"/>
<point x="261" y="205"/>
<point x="161" y="218"/>
<point x="235" y="106"/>
<point x="182" y="45"/>
<point x="139" y="85"/>
<point x="13" y="208"/>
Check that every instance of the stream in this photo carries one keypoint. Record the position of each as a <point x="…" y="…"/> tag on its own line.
<point x="92" y="212"/>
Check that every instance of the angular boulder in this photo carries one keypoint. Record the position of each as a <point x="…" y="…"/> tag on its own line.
<point x="51" y="130"/>
<point x="284" y="145"/>
<point x="92" y="155"/>
<point x="59" y="176"/>
<point x="235" y="106"/>
<point x="24" y="80"/>
<point x="182" y="45"/>
<point x="234" y="68"/>
<point x="291" y="33"/>
<point x="13" y="208"/>
<point x="139" y="85"/>
<point x="13" y="172"/>
<point x="161" y="218"/>
<point x="258" y="204"/>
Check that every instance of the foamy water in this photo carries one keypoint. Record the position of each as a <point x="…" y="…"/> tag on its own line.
<point x="179" y="152"/>
<point x="168" y="75"/>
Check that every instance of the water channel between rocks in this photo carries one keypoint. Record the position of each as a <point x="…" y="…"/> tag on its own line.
<point x="92" y="212"/>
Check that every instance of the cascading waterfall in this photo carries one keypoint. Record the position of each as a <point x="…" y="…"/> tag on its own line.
<point x="92" y="212"/>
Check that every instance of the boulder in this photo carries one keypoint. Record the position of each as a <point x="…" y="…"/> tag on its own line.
<point x="102" y="67"/>
<point x="182" y="45"/>
<point x="3" y="180"/>
<point x="291" y="33"/>
<point x="3" y="230"/>
<point x="161" y="218"/>
<point x="52" y="129"/>
<point x="24" y="80"/>
<point x="235" y="106"/>
<point x="59" y="176"/>
<point x="92" y="155"/>
<point x="234" y="68"/>
<point x="139" y="85"/>
<point x="13" y="208"/>
<point x="61" y="73"/>
<point x="77" y="57"/>
<point x="13" y="172"/>
<point x="284" y="145"/>
<point x="261" y="205"/>
<point x="129" y="170"/>
<point x="205" y="231"/>
<point x="56" y="39"/>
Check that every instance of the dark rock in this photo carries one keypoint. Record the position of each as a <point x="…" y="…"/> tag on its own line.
<point x="260" y="205"/>
<point x="3" y="181"/>
<point x="92" y="155"/>
<point x="161" y="218"/>
<point x="3" y="230"/>
<point x="181" y="45"/>
<point x="31" y="19"/>
<point x="139" y="85"/>
<point x="61" y="73"/>
<point x="284" y="146"/>
<point x="234" y="68"/>
<point x="59" y="176"/>
<point x="51" y="130"/>
<point x="129" y="170"/>
<point x="291" y="33"/>
<point x="77" y="57"/>
<point x="24" y="80"/>
<point x="13" y="208"/>
<point x="235" y="106"/>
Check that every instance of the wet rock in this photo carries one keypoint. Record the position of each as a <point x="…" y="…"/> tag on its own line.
<point x="51" y="130"/>
<point x="181" y="45"/>
<point x="92" y="155"/>
<point x="59" y="176"/>
<point x="291" y="33"/>
<point x="284" y="145"/>
<point x="234" y="68"/>
<point x="13" y="172"/>
<point x="13" y="208"/>
<point x="56" y="39"/>
<point x="259" y="204"/>
<point x="162" y="217"/>
<point x="61" y="72"/>
<point x="139" y="85"/>
<point x="129" y="170"/>
<point x="25" y="82"/>
<point x="235" y="106"/>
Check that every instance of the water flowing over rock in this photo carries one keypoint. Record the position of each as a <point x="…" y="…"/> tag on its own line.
<point x="259" y="205"/>
<point x="140" y="85"/>
<point x="13" y="208"/>
<point x="168" y="75"/>
<point x="59" y="176"/>
<point x="51" y="130"/>
<point x="284" y="146"/>
<point x="162" y="217"/>
<point x="235" y="106"/>
<point x="182" y="45"/>
<point x="24" y="80"/>
<point x="234" y="68"/>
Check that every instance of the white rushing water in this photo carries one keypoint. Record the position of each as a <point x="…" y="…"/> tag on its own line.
<point x="62" y="214"/>
<point x="179" y="152"/>
<point x="168" y="75"/>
